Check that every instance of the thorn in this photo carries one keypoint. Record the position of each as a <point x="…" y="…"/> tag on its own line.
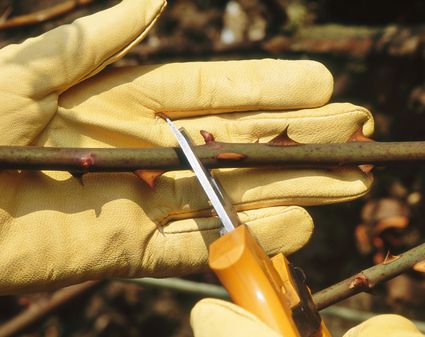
<point x="367" y="168"/>
<point x="282" y="139"/>
<point x="230" y="156"/>
<point x="78" y="176"/>
<point x="359" y="281"/>
<point x="390" y="258"/>
<point x="208" y="137"/>
<point x="358" y="136"/>
<point x="149" y="176"/>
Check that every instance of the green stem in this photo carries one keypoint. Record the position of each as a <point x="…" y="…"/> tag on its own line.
<point x="211" y="290"/>
<point x="362" y="281"/>
<point x="43" y="307"/>
<point x="185" y="286"/>
<point x="369" y="278"/>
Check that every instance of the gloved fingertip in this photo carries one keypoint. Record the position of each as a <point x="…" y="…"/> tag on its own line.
<point x="389" y="325"/>
<point x="279" y="229"/>
<point x="216" y="318"/>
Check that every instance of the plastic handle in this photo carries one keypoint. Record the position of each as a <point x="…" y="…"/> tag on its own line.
<point x="251" y="280"/>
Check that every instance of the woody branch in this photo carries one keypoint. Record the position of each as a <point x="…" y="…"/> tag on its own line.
<point x="213" y="155"/>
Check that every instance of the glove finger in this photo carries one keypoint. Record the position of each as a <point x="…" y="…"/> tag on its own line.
<point x="332" y="123"/>
<point x="385" y="326"/>
<point x="35" y="71"/>
<point x="178" y="195"/>
<point x="116" y="115"/>
<point x="181" y="246"/>
<point x="69" y="233"/>
<point x="255" y="188"/>
<point x="248" y="188"/>
<point x="215" y="318"/>
<point x="204" y="88"/>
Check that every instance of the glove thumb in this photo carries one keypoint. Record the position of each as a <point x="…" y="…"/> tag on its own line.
<point x="216" y="318"/>
<point x="36" y="71"/>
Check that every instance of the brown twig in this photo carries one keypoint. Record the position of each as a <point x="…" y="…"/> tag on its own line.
<point x="363" y="281"/>
<point x="43" y="307"/>
<point x="328" y="39"/>
<point x="212" y="154"/>
<point x="211" y="290"/>
<point x="43" y="14"/>
<point x="367" y="279"/>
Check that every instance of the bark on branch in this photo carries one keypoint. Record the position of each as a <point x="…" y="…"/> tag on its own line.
<point x="367" y="279"/>
<point x="363" y="281"/>
<point x="213" y="155"/>
<point x="43" y="307"/>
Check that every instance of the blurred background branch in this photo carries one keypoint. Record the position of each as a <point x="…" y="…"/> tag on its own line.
<point x="39" y="16"/>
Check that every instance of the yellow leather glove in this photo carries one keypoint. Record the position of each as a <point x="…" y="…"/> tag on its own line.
<point x="215" y="318"/>
<point x="55" y="232"/>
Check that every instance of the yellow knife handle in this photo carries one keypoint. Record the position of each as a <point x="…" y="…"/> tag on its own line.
<point x="251" y="280"/>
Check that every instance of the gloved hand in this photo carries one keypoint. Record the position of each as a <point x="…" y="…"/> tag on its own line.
<point x="234" y="321"/>
<point x="55" y="231"/>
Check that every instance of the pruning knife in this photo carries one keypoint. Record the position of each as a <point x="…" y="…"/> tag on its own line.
<point x="270" y="288"/>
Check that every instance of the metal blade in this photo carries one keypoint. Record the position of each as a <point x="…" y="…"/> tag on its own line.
<point x="221" y="203"/>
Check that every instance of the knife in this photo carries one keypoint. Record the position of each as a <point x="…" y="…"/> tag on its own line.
<point x="270" y="288"/>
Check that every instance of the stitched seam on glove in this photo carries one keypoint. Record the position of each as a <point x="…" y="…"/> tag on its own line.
<point x="189" y="215"/>
<point x="286" y="121"/>
<point x="271" y="109"/>
<point x="288" y="201"/>
<point x="332" y="113"/>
